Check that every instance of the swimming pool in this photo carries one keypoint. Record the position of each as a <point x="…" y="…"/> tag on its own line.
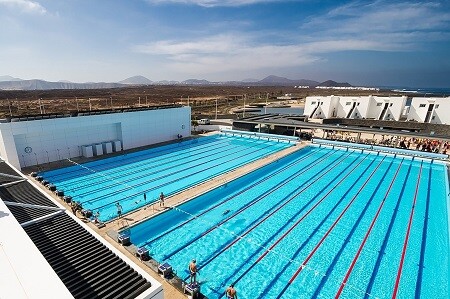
<point x="98" y="185"/>
<point x="319" y="223"/>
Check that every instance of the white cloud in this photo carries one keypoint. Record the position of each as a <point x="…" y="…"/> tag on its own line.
<point x="238" y="53"/>
<point x="24" y="6"/>
<point x="395" y="23"/>
<point x="358" y="26"/>
<point x="213" y="3"/>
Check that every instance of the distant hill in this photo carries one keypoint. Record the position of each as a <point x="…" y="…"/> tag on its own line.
<point x="136" y="80"/>
<point x="46" y="85"/>
<point x="166" y="82"/>
<point x="9" y="78"/>
<point x="275" y="80"/>
<point x="11" y="83"/>
<point x="196" y="82"/>
<point x="331" y="83"/>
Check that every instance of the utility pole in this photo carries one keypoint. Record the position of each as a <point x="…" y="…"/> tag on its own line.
<point x="216" y="108"/>
<point x="10" y="111"/>
<point x="243" y="110"/>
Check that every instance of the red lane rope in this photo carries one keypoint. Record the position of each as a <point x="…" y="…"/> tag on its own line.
<point x="310" y="255"/>
<point x="349" y="271"/>
<point x="405" y="244"/>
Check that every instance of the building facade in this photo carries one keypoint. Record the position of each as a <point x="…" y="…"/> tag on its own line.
<point x="355" y="107"/>
<point x="27" y="142"/>
<point x="430" y="110"/>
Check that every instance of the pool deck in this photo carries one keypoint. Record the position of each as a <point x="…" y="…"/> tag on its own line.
<point x="109" y="231"/>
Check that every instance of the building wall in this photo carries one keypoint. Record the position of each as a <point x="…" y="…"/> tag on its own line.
<point x="326" y="106"/>
<point x="439" y="113"/>
<point x="48" y="140"/>
<point x="359" y="106"/>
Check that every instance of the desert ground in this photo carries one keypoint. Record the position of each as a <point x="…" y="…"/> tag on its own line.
<point x="202" y="99"/>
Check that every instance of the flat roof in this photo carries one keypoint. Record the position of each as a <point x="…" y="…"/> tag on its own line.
<point x="297" y="122"/>
<point x="25" y="272"/>
<point x="17" y="118"/>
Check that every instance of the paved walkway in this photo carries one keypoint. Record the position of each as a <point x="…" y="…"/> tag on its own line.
<point x="186" y="195"/>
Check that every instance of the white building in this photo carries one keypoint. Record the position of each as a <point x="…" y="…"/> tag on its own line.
<point x="26" y="142"/>
<point x="355" y="107"/>
<point x="430" y="110"/>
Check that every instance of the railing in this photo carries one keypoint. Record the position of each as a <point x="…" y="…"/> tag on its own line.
<point x="261" y="135"/>
<point x="378" y="148"/>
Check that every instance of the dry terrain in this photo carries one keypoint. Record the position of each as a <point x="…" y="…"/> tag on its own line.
<point x="202" y="99"/>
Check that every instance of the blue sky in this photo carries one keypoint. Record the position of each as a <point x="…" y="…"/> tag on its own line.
<point x="384" y="43"/>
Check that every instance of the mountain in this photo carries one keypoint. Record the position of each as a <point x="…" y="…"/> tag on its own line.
<point x="275" y="80"/>
<point x="10" y="83"/>
<point x="9" y="78"/>
<point x="165" y="82"/>
<point x="196" y="82"/>
<point x="136" y="80"/>
<point x="45" y="85"/>
<point x="331" y="83"/>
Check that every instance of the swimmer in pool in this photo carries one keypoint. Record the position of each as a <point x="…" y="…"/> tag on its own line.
<point x="226" y="212"/>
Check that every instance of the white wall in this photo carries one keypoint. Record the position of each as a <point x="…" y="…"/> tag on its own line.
<point x="439" y="114"/>
<point x="326" y="106"/>
<point x="365" y="106"/>
<point x="60" y="138"/>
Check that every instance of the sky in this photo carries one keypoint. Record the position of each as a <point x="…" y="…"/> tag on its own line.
<point x="365" y="43"/>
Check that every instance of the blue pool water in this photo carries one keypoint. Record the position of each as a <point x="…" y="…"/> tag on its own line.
<point x="362" y="225"/>
<point x="98" y="185"/>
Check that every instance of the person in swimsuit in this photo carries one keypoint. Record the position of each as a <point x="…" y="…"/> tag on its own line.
<point x="231" y="292"/>
<point x="193" y="271"/>
<point x="119" y="209"/>
<point x="161" y="200"/>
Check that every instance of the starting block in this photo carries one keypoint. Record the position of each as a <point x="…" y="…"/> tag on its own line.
<point x="165" y="269"/>
<point x="124" y="239"/>
<point x="192" y="289"/>
<point x="143" y="254"/>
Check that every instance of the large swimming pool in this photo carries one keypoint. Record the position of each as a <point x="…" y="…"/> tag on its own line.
<point x="319" y="223"/>
<point x="100" y="184"/>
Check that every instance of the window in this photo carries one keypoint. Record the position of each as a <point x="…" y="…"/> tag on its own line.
<point x="421" y="105"/>
<point x="379" y="104"/>
<point x="437" y="106"/>
<point x="390" y="105"/>
<point x="357" y="104"/>
<point x="321" y="103"/>
<point x="433" y="117"/>
<point x="313" y="103"/>
<point x="348" y="103"/>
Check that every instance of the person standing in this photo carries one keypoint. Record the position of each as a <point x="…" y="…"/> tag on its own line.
<point x="193" y="271"/>
<point x="161" y="200"/>
<point x="230" y="293"/>
<point x="145" y="201"/>
<point x="119" y="209"/>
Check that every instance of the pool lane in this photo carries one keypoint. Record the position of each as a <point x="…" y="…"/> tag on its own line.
<point x="166" y="171"/>
<point x="337" y="230"/>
